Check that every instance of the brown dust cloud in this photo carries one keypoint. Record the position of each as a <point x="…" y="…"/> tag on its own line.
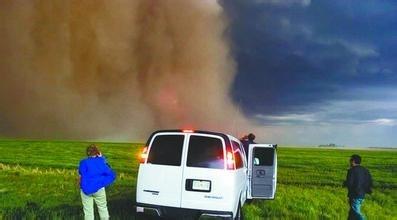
<point x="115" y="70"/>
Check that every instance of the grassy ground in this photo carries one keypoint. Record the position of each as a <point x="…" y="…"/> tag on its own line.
<point x="38" y="180"/>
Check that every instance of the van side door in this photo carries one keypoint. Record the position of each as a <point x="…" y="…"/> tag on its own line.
<point x="241" y="168"/>
<point x="262" y="171"/>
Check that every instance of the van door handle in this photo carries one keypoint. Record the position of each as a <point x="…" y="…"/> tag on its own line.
<point x="152" y="191"/>
<point x="261" y="172"/>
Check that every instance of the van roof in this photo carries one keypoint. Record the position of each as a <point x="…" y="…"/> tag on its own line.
<point x="224" y="136"/>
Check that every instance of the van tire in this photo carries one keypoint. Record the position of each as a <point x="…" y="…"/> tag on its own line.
<point x="239" y="214"/>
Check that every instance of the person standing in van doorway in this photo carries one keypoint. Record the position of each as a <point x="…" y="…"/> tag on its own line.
<point x="358" y="183"/>
<point x="246" y="141"/>
<point x="95" y="175"/>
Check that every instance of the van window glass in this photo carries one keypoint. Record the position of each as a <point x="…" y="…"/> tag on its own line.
<point x="235" y="145"/>
<point x="166" y="150"/>
<point x="205" y="152"/>
<point x="238" y="156"/>
<point x="263" y="156"/>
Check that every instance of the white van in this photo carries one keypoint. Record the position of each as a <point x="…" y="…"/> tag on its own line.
<point x="187" y="174"/>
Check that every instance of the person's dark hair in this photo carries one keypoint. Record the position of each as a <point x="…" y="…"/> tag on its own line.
<point x="251" y="137"/>
<point x="356" y="158"/>
<point x="92" y="150"/>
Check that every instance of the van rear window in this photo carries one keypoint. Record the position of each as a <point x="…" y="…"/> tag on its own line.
<point x="166" y="150"/>
<point x="205" y="152"/>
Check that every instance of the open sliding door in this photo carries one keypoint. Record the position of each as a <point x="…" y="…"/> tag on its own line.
<point x="262" y="170"/>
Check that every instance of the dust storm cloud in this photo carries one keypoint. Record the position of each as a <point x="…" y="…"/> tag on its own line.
<point x="114" y="69"/>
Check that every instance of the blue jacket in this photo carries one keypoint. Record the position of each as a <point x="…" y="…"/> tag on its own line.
<point x="95" y="173"/>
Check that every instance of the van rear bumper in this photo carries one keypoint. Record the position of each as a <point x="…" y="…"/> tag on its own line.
<point x="180" y="213"/>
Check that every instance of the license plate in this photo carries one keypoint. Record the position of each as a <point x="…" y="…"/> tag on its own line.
<point x="201" y="185"/>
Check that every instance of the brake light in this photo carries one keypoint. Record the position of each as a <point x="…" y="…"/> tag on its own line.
<point x="230" y="160"/>
<point x="188" y="131"/>
<point x="144" y="155"/>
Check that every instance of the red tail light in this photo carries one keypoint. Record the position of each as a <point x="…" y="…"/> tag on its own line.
<point x="230" y="161"/>
<point x="144" y="155"/>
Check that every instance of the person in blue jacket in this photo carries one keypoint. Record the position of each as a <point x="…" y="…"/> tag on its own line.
<point x="95" y="175"/>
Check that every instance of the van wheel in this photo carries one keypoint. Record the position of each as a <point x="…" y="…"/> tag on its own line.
<point x="239" y="214"/>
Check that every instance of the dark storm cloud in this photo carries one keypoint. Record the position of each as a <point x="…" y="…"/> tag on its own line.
<point x="293" y="54"/>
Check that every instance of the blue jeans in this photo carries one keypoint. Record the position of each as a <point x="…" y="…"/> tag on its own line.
<point x="355" y="206"/>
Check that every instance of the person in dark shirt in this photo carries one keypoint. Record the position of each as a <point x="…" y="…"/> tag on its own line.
<point x="246" y="141"/>
<point x="358" y="183"/>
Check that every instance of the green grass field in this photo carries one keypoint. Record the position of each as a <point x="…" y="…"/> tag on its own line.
<point x="38" y="180"/>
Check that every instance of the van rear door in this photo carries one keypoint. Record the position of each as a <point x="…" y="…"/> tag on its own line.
<point x="262" y="171"/>
<point x="204" y="173"/>
<point x="160" y="177"/>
